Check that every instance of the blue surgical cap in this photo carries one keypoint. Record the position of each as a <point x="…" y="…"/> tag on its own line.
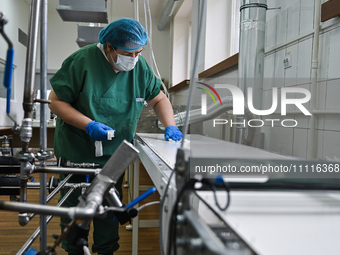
<point x="125" y="34"/>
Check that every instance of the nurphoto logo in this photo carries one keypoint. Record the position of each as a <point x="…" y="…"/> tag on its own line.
<point x="239" y="103"/>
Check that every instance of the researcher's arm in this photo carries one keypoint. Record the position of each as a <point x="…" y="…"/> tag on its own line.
<point x="67" y="112"/>
<point x="163" y="109"/>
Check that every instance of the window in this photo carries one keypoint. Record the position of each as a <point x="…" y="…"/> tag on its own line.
<point x="219" y="41"/>
<point x="181" y="43"/>
<point x="235" y="27"/>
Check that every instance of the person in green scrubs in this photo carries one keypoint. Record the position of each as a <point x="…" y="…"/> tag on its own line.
<point x="98" y="88"/>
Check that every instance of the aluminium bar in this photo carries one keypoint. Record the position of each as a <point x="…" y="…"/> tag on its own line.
<point x="43" y="122"/>
<point x="35" y="234"/>
<point x="65" y="170"/>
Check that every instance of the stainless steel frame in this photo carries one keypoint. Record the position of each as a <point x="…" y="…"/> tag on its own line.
<point x="91" y="204"/>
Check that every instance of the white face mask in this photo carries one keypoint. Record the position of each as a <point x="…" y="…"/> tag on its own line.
<point x="125" y="63"/>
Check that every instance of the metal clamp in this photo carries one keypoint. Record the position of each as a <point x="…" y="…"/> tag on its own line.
<point x="253" y="5"/>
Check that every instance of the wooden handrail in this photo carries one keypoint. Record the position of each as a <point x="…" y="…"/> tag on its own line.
<point x="222" y="66"/>
<point x="330" y="9"/>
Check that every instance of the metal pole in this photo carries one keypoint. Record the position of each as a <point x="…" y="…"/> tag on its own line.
<point x="31" y="57"/>
<point x="35" y="234"/>
<point x="135" y="220"/>
<point x="312" y="149"/>
<point x="26" y="127"/>
<point x="65" y="170"/>
<point x="55" y="191"/>
<point x="251" y="55"/>
<point x="43" y="123"/>
<point x="136" y="9"/>
<point x="194" y="74"/>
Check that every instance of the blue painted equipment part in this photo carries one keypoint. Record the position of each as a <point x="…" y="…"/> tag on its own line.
<point x="140" y="198"/>
<point x="8" y="77"/>
<point x="9" y="68"/>
<point x="31" y="251"/>
<point x="8" y="103"/>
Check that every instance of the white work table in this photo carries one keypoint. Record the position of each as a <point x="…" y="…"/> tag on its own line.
<point x="272" y="222"/>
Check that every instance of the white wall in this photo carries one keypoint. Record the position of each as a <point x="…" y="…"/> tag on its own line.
<point x="61" y="40"/>
<point x="216" y="43"/>
<point x="217" y="47"/>
<point x="181" y="38"/>
<point x="17" y="14"/>
<point x="161" y="49"/>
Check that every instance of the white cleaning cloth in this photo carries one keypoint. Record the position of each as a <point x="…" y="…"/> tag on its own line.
<point x="99" y="145"/>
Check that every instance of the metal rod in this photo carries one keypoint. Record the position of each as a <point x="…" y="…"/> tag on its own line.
<point x="31" y="57"/>
<point x="35" y="234"/>
<point x="34" y="208"/>
<point x="55" y="191"/>
<point x="135" y="10"/>
<point x="64" y="170"/>
<point x="166" y="15"/>
<point x="59" y="187"/>
<point x="111" y="172"/>
<point x="43" y="123"/>
<point x="43" y="74"/>
<point x="26" y="127"/>
<point x="251" y="53"/>
<point x="88" y="208"/>
<point x="312" y="149"/>
<point x="194" y="74"/>
<point x="79" y="212"/>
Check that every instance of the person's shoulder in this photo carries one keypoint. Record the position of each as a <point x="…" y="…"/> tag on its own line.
<point x="90" y="47"/>
<point x="142" y="60"/>
<point x="85" y="52"/>
<point x="142" y="63"/>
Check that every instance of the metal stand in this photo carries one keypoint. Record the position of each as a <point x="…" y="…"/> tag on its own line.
<point x="90" y="205"/>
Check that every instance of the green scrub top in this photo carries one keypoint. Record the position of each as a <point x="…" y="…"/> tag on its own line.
<point x="88" y="82"/>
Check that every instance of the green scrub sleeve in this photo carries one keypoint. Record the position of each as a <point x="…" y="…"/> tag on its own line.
<point x="154" y="87"/>
<point x="68" y="81"/>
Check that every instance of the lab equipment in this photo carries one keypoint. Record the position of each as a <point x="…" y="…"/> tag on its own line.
<point x="90" y="204"/>
<point x="260" y="207"/>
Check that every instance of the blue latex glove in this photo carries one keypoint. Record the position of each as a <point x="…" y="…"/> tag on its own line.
<point x="97" y="131"/>
<point x="173" y="132"/>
